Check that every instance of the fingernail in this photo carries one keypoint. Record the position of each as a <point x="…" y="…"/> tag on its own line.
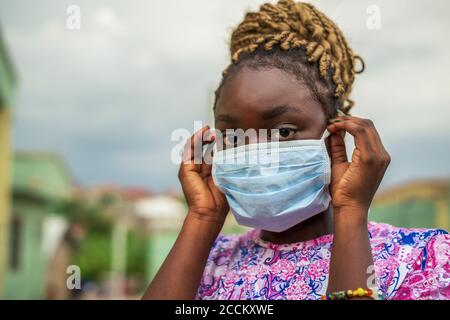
<point x="210" y="136"/>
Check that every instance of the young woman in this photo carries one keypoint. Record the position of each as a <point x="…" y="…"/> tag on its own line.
<point x="292" y="73"/>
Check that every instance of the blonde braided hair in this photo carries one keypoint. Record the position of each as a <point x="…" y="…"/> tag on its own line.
<point x="290" y="25"/>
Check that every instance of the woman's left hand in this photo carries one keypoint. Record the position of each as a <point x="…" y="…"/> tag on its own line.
<point x="353" y="184"/>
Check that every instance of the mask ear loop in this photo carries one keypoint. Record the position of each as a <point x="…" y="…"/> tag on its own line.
<point x="326" y="157"/>
<point x="325" y="135"/>
<point x="340" y="113"/>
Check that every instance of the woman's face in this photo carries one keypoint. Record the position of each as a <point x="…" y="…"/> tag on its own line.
<point x="269" y="99"/>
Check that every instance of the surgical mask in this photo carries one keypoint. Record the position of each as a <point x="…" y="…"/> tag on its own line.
<point x="274" y="185"/>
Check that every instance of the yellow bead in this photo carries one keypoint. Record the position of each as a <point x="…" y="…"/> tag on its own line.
<point x="350" y="293"/>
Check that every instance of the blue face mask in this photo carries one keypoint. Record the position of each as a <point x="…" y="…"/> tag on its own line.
<point x="275" y="185"/>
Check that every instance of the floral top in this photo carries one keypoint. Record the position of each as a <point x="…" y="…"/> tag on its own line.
<point x="409" y="264"/>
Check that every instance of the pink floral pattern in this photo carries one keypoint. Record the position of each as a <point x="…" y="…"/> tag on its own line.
<point x="409" y="264"/>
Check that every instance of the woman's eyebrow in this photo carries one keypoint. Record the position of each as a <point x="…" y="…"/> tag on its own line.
<point x="226" y="118"/>
<point x="278" y="111"/>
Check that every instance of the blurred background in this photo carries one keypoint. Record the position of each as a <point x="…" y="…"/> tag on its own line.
<point x="87" y="112"/>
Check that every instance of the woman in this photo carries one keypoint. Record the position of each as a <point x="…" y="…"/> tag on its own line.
<point x="292" y="73"/>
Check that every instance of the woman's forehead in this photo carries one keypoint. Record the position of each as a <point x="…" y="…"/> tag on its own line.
<point x="259" y="90"/>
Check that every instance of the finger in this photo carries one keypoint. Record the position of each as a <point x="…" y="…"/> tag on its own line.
<point x="372" y="132"/>
<point x="360" y="134"/>
<point x="205" y="170"/>
<point x="338" y="151"/>
<point x="211" y="137"/>
<point x="189" y="161"/>
<point x="206" y="166"/>
<point x="193" y="149"/>
<point x="376" y="139"/>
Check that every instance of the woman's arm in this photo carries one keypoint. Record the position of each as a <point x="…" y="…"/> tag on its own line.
<point x="351" y="254"/>
<point x="353" y="186"/>
<point x="180" y="274"/>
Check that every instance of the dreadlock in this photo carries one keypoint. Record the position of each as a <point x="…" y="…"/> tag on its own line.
<point x="297" y="38"/>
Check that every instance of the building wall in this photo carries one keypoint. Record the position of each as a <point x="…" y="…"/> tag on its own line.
<point x="159" y="245"/>
<point x="7" y="93"/>
<point x="409" y="214"/>
<point x="418" y="205"/>
<point x="4" y="188"/>
<point x="26" y="280"/>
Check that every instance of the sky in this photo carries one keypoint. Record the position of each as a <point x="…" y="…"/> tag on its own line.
<point x="108" y="96"/>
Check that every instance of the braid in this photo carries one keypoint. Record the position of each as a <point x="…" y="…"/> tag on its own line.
<point x="297" y="28"/>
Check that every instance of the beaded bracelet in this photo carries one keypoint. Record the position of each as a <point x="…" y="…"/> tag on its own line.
<point x="360" y="292"/>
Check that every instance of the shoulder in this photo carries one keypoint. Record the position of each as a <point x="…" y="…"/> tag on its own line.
<point x="380" y="232"/>
<point x="397" y="251"/>
<point x="429" y="277"/>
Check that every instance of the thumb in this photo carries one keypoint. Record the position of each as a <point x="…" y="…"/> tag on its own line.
<point x="337" y="149"/>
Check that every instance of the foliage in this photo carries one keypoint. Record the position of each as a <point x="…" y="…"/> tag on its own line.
<point x="93" y="252"/>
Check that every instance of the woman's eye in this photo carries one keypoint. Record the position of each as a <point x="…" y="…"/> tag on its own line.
<point x="284" y="133"/>
<point x="230" y="140"/>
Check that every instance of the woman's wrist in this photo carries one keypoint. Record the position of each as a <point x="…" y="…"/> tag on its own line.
<point x="203" y="224"/>
<point x="351" y="253"/>
<point x="350" y="218"/>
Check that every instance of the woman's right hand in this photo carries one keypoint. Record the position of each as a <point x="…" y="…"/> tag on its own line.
<point x="179" y="276"/>
<point x="205" y="201"/>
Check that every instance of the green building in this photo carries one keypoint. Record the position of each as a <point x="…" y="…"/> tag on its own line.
<point x="40" y="183"/>
<point x="419" y="204"/>
<point x="7" y="90"/>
